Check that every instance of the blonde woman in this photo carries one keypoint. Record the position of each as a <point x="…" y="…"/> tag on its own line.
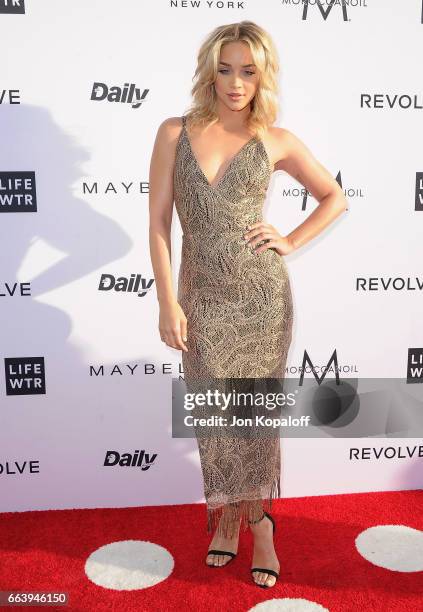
<point x="232" y="316"/>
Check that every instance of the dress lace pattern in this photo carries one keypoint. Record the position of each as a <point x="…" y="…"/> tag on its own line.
<point x="239" y="310"/>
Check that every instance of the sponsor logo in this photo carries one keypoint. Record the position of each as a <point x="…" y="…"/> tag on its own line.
<point x="385" y="452"/>
<point x="25" y="375"/>
<point x="115" y="188"/>
<point x="134" y="284"/>
<point x="391" y="101"/>
<point x="15" y="289"/>
<point x="17" y="468"/>
<point x="325" y="12"/>
<point x="332" y="366"/>
<point x="12" y="96"/>
<point x="388" y="283"/>
<point x="415" y="365"/>
<point x="419" y="191"/>
<point x="12" y="6"/>
<point x="17" y="192"/>
<point x="139" y="458"/>
<point x="128" y="94"/>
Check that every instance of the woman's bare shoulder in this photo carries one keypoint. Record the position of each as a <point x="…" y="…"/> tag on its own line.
<point x="169" y="129"/>
<point x="281" y="137"/>
<point x="282" y="143"/>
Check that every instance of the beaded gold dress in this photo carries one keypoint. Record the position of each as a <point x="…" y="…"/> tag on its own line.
<point x="239" y="313"/>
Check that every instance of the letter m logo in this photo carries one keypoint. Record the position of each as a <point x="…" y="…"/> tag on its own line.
<point x="325" y="13"/>
<point x="306" y="360"/>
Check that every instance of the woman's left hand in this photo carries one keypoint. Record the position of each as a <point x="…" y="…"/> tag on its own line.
<point x="264" y="231"/>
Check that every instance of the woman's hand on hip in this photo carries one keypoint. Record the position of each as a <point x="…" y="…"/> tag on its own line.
<point x="256" y="232"/>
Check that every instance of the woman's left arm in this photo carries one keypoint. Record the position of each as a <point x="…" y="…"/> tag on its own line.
<point x="295" y="158"/>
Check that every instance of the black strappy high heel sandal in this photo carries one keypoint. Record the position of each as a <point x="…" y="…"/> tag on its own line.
<point x="220" y="552"/>
<point x="264" y="569"/>
<point x="214" y="551"/>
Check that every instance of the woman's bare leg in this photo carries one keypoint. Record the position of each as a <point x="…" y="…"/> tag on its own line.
<point x="226" y="536"/>
<point x="264" y="554"/>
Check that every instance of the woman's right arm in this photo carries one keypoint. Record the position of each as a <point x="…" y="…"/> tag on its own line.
<point x="172" y="321"/>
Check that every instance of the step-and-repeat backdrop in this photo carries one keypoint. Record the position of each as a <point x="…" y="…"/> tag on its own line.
<point x="85" y="381"/>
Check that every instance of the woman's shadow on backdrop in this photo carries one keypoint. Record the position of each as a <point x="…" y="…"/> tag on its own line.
<point x="81" y="416"/>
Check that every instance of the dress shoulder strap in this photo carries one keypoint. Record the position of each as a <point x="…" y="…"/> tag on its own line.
<point x="184" y="120"/>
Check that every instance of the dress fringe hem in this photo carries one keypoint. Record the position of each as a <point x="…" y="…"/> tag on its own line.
<point x="225" y="518"/>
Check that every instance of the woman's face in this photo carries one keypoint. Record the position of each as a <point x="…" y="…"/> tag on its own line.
<point x="236" y="75"/>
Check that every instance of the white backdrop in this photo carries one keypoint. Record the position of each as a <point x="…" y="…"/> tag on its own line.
<point x="350" y="89"/>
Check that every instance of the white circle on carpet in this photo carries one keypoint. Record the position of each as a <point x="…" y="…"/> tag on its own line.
<point x="129" y="564"/>
<point x="288" y="604"/>
<point x="394" y="547"/>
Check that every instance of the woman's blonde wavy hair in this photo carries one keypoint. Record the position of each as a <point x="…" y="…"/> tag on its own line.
<point x="264" y="105"/>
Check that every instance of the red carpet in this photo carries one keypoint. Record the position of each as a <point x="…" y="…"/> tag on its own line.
<point x="315" y="541"/>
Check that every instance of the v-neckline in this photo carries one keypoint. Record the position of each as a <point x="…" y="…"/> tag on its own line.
<point x="215" y="185"/>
